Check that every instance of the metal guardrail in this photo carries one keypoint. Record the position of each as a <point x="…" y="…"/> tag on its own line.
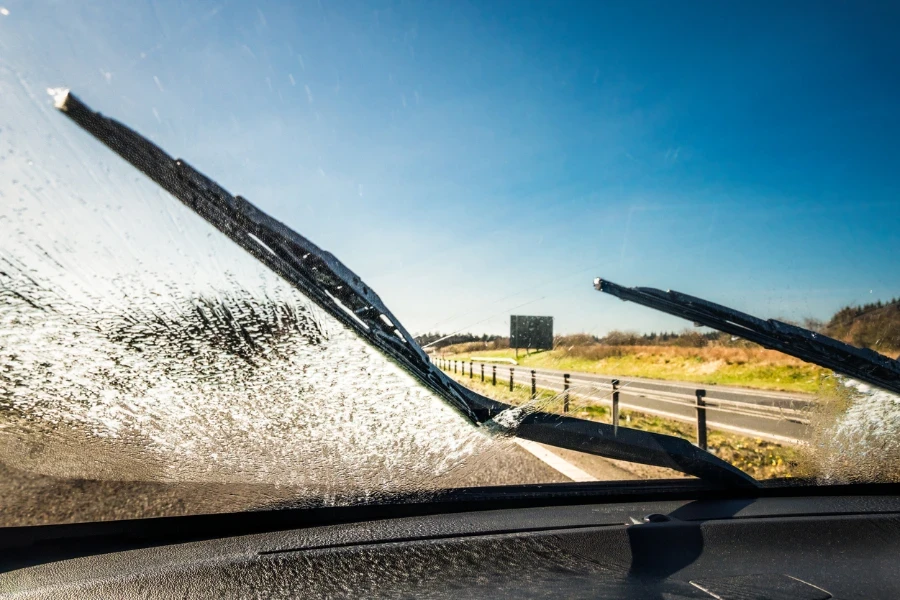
<point x="609" y="393"/>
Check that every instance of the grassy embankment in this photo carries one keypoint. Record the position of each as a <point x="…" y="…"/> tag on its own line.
<point x="711" y="365"/>
<point x="759" y="458"/>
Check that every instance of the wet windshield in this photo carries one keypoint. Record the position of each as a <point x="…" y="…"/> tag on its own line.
<point x="478" y="168"/>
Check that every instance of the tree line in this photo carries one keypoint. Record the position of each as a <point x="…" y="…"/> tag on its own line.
<point x="874" y="325"/>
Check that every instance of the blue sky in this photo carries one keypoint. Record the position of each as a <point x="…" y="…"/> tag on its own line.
<point x="475" y="159"/>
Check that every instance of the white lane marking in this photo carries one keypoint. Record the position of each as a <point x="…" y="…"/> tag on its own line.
<point x="555" y="462"/>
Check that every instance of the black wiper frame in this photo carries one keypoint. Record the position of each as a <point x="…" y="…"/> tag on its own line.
<point x="342" y="294"/>
<point x="859" y="363"/>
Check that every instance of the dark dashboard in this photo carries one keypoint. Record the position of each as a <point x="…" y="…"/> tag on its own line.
<point x="819" y="545"/>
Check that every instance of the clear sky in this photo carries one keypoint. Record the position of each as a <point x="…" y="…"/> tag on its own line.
<point x="475" y="159"/>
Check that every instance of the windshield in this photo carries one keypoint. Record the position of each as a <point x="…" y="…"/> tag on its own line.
<point x="166" y="350"/>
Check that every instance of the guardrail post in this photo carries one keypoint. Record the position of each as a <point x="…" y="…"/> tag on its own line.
<point x="565" y="392"/>
<point x="511" y="378"/>
<point x="494" y="374"/>
<point x="701" y="419"/>
<point x="454" y="366"/>
<point x="470" y="369"/>
<point x="482" y="372"/>
<point x="615" y="405"/>
<point x="533" y="385"/>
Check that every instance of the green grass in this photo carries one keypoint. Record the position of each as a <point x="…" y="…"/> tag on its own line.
<point x="759" y="458"/>
<point x="709" y="366"/>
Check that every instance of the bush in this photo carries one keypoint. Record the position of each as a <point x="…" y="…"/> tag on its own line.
<point x="621" y="338"/>
<point x="597" y="351"/>
<point x="690" y="339"/>
<point x="576" y="339"/>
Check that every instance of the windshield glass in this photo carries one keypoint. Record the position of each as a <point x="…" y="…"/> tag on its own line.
<point x="478" y="167"/>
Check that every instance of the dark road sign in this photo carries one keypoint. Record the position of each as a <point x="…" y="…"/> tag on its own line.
<point x="531" y="332"/>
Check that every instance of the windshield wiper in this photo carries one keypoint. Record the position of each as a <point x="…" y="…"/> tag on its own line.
<point x="341" y="293"/>
<point x="859" y="363"/>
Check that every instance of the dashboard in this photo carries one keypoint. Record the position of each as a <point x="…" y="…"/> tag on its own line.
<point x="801" y="548"/>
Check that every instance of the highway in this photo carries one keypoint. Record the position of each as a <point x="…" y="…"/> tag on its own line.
<point x="774" y="416"/>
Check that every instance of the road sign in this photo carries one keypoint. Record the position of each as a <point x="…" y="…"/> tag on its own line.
<point x="531" y="332"/>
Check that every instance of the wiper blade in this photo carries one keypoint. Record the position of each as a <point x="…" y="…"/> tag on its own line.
<point x="859" y="363"/>
<point x="343" y="294"/>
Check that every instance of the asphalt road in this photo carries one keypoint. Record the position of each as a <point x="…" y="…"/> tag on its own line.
<point x="34" y="498"/>
<point x="69" y="475"/>
<point x="775" y="416"/>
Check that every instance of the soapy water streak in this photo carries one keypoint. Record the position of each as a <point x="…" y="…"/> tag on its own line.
<point x="227" y="388"/>
<point x="855" y="435"/>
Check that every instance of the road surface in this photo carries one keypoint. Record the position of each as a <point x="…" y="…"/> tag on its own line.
<point x="32" y="498"/>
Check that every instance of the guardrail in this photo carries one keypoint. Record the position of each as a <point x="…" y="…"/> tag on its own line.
<point x="604" y="393"/>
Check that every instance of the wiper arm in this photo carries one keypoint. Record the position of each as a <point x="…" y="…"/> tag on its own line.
<point x="342" y="294"/>
<point x="859" y="363"/>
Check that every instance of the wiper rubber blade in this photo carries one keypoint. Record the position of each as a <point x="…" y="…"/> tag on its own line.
<point x="343" y="295"/>
<point x="859" y="363"/>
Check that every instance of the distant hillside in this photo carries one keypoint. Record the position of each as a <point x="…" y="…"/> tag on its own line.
<point x="875" y="326"/>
